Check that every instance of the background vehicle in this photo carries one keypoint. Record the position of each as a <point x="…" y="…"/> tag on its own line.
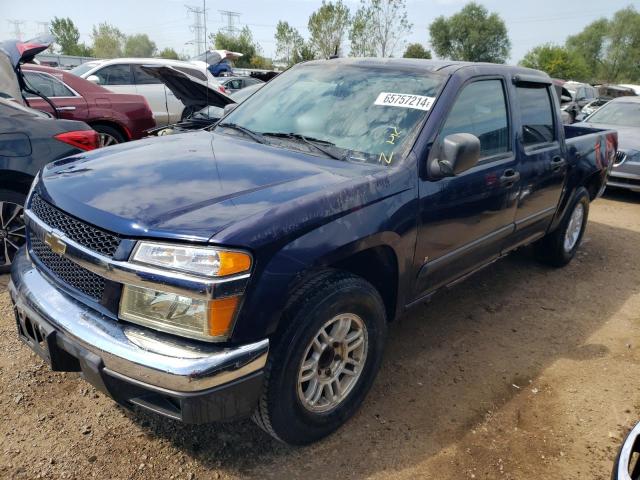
<point x="582" y="93"/>
<point x="207" y="116"/>
<point x="591" y="107"/>
<point x="623" y="114"/>
<point x="29" y="139"/>
<point x="233" y="84"/>
<point x="117" y="117"/>
<point x="124" y="75"/>
<point x="255" y="267"/>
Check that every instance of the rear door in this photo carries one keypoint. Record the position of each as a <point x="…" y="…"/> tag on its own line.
<point x="542" y="164"/>
<point x="464" y="219"/>
<point x="69" y="104"/>
<point x="164" y="111"/>
<point x="116" y="78"/>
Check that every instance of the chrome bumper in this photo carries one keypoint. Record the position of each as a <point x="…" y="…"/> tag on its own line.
<point x="150" y="360"/>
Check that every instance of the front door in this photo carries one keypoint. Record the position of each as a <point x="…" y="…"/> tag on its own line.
<point x="542" y="162"/>
<point x="464" y="219"/>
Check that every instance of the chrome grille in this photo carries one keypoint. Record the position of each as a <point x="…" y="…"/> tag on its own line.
<point x="69" y="272"/>
<point x="620" y="156"/>
<point x="89" y="236"/>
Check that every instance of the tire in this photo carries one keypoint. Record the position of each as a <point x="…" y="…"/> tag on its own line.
<point x="108" y="135"/>
<point x="12" y="229"/>
<point x="282" y="410"/>
<point x="556" y="248"/>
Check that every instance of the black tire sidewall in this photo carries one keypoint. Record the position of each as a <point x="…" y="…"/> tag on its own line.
<point x="291" y="421"/>
<point x="15" y="197"/>
<point x="109" y="130"/>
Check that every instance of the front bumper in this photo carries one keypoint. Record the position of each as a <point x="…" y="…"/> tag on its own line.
<point x="626" y="174"/>
<point x="183" y="379"/>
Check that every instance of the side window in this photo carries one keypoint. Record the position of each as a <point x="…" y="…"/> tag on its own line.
<point x="143" y="78"/>
<point x="481" y="110"/>
<point x="47" y="85"/>
<point x="115" y="75"/>
<point x="536" y="113"/>
<point x="193" y="72"/>
<point x="234" y="84"/>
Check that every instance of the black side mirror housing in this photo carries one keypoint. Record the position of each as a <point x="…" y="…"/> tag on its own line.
<point x="455" y="154"/>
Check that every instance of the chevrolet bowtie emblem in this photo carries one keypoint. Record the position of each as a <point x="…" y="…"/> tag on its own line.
<point x="55" y="243"/>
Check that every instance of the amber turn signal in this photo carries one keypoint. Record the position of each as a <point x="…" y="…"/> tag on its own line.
<point x="233" y="262"/>
<point x="221" y="314"/>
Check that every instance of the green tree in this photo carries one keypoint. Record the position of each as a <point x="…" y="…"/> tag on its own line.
<point x="67" y="37"/>
<point x="290" y="46"/>
<point x="473" y="34"/>
<point x="378" y="26"/>
<point x="557" y="61"/>
<point x="415" y="50"/>
<point x="611" y="48"/>
<point x="243" y="43"/>
<point x="327" y="27"/>
<point x="108" y="41"/>
<point x="139" y="45"/>
<point x="169" y="53"/>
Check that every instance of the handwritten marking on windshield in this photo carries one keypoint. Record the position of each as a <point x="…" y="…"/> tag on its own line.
<point x="383" y="158"/>
<point x="393" y="135"/>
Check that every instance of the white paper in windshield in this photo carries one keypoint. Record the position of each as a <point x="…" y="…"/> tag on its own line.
<point x="404" y="100"/>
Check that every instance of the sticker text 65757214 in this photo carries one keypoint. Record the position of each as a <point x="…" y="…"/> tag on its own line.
<point x="404" y="100"/>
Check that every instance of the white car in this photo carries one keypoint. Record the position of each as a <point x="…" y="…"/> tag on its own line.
<point x="124" y="75"/>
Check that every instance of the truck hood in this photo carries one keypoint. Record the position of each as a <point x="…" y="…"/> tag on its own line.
<point x="188" y="186"/>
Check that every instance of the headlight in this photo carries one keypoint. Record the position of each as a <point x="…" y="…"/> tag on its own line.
<point x="205" y="261"/>
<point x="201" y="319"/>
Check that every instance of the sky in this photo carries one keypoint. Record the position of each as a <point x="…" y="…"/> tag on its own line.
<point x="167" y="22"/>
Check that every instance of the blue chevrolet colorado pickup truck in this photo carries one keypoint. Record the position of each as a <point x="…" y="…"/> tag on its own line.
<point x="254" y="267"/>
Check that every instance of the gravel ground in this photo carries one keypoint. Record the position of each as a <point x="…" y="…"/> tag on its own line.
<point x="520" y="372"/>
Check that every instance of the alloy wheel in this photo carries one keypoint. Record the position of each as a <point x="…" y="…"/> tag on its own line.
<point x="12" y="231"/>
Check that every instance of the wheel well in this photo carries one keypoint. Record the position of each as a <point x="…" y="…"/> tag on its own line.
<point x="593" y="184"/>
<point x="378" y="266"/>
<point x="16" y="181"/>
<point x="115" y="125"/>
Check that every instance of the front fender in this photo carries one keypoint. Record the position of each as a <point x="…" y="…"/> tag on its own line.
<point x="390" y="222"/>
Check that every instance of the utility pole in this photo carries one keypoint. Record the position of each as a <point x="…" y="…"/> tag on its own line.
<point x="232" y="18"/>
<point x="198" y="27"/>
<point x="17" y="31"/>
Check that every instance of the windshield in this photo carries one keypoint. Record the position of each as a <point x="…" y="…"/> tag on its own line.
<point x="625" y="114"/>
<point x="362" y="113"/>
<point x="82" y="68"/>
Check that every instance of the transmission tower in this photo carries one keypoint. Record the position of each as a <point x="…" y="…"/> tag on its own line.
<point x="43" y="28"/>
<point x="232" y="19"/>
<point x="198" y="27"/>
<point x="17" y="31"/>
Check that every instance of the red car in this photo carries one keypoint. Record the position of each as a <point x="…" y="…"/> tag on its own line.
<point x="117" y="117"/>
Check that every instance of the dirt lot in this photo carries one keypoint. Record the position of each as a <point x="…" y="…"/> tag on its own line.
<point x="519" y="372"/>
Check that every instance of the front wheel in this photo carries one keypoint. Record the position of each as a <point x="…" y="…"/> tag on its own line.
<point x="12" y="229"/>
<point x="560" y="246"/>
<point x="322" y="367"/>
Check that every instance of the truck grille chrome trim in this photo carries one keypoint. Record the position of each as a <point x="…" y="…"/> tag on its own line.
<point x="93" y="238"/>
<point x="139" y="275"/>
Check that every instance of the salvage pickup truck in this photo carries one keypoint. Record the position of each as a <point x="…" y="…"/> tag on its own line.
<point x="254" y="267"/>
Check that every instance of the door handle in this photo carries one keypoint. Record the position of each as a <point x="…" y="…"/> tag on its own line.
<point x="557" y="163"/>
<point x="509" y="177"/>
<point x="65" y="109"/>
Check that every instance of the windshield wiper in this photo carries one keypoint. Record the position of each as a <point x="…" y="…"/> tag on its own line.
<point x="314" y="142"/>
<point x="250" y="133"/>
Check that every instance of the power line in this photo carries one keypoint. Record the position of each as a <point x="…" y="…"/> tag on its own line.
<point x="43" y="28"/>
<point x="17" y="31"/>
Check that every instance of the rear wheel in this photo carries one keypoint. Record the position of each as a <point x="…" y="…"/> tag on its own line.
<point x="12" y="229"/>
<point x="560" y="246"/>
<point x="108" y="135"/>
<point x="320" y="370"/>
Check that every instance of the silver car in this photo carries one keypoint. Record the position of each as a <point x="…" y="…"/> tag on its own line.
<point x="124" y="75"/>
<point x="623" y="115"/>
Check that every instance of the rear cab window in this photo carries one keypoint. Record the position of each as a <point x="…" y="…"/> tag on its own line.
<point x="536" y="113"/>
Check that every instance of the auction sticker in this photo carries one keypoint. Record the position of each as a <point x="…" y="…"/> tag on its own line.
<point x="404" y="100"/>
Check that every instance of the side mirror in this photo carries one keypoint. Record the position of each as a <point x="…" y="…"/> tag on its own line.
<point x="456" y="153"/>
<point x="565" y="99"/>
<point x="94" y="79"/>
<point x="230" y="108"/>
